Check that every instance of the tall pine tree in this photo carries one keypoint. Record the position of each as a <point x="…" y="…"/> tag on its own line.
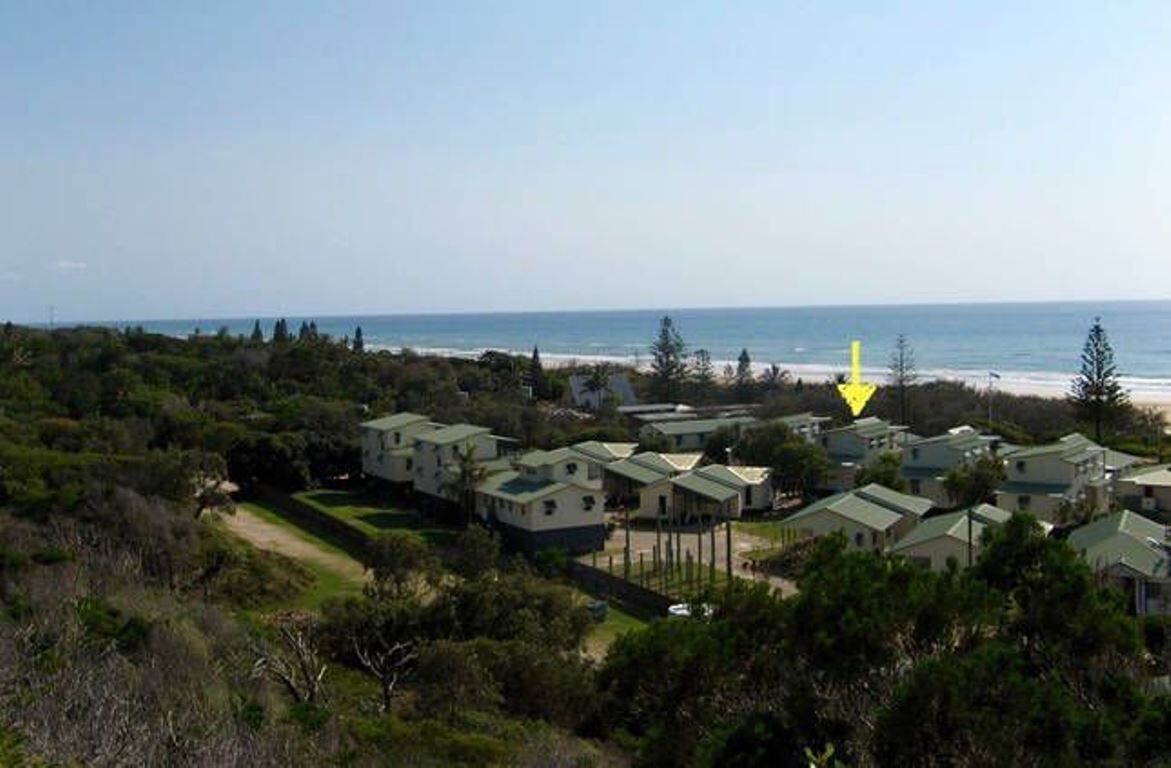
<point x="257" y="334"/>
<point x="537" y="378"/>
<point x="1096" y="392"/>
<point x="668" y="364"/>
<point x="359" y="342"/>
<point x="903" y="374"/>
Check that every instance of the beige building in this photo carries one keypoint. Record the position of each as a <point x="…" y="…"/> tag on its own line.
<point x="953" y="537"/>
<point x="642" y="484"/>
<point x="1147" y="490"/>
<point x="436" y="455"/>
<point x="388" y="445"/>
<point x="1047" y="480"/>
<point x="926" y="461"/>
<point x="1131" y="551"/>
<point x="872" y="517"/>
<point x="551" y="499"/>
<point x="691" y="434"/>
<point x="855" y="445"/>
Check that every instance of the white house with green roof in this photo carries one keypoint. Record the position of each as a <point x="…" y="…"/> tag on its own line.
<point x="436" y="454"/>
<point x="805" y="425"/>
<point x="605" y="453"/>
<point x="1044" y="480"/>
<point x="1146" y="489"/>
<point x="926" y="461"/>
<point x="754" y="484"/>
<point x="642" y="482"/>
<point x="691" y="434"/>
<point x="855" y="445"/>
<point x="551" y="499"/>
<point x="872" y="517"/>
<point x="388" y="445"/>
<point x="1132" y="552"/>
<point x="955" y="536"/>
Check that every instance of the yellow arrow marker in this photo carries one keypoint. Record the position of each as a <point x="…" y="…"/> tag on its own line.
<point x="856" y="392"/>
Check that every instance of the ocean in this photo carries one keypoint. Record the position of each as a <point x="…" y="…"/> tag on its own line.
<point x="1034" y="347"/>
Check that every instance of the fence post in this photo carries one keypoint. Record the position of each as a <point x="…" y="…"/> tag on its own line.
<point x="611" y="568"/>
<point x="641" y="570"/>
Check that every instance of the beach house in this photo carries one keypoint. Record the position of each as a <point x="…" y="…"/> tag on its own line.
<point x="872" y="517"/>
<point x="436" y="458"/>
<point x="1131" y="551"/>
<point x="691" y="434"/>
<point x="855" y="445"/>
<point x="388" y="445"/>
<point x="549" y="499"/>
<point x="952" y="537"/>
<point x="804" y="425"/>
<point x="926" y="461"/>
<point x="1056" y="482"/>
<point x="1147" y="489"/>
<point x="617" y="390"/>
<point x="641" y="483"/>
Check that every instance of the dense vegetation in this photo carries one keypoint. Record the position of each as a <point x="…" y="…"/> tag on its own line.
<point x="134" y="630"/>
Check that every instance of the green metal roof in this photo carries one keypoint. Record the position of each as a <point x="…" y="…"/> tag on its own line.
<point x="702" y="486"/>
<point x="726" y="476"/>
<point x="545" y="458"/>
<point x="637" y="472"/>
<point x="605" y="452"/>
<point x="870" y="426"/>
<point x="698" y="426"/>
<point x="958" y="441"/>
<point x="1073" y="448"/>
<point x="514" y="487"/>
<point x="800" y="419"/>
<point x="394" y="421"/>
<point x="955" y="525"/>
<point x="456" y="433"/>
<point x="1159" y="477"/>
<point x="1124" y="538"/>
<point x="873" y="505"/>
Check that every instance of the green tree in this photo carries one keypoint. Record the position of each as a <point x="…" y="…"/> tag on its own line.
<point x="359" y="342"/>
<point x="461" y="486"/>
<point x="1096" y="393"/>
<point x="597" y="382"/>
<point x="257" y="334"/>
<point x="401" y="565"/>
<point x="974" y="482"/>
<point x="703" y="374"/>
<point x="902" y="374"/>
<point x="537" y="379"/>
<point x="280" y="331"/>
<point x="744" y="376"/>
<point x="884" y="470"/>
<point x="668" y="361"/>
<point x="477" y="553"/>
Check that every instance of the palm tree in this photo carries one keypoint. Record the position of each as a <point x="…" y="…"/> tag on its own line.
<point x="597" y="381"/>
<point x="461" y="486"/>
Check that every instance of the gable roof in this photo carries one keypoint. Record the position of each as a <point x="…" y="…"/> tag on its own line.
<point x="605" y="452"/>
<point x="873" y="505"/>
<point x="955" y="525"/>
<point x="697" y="426"/>
<point x="734" y="477"/>
<point x="456" y="433"/>
<point x="959" y="439"/>
<point x="393" y="421"/>
<point x="1158" y="477"/>
<point x="639" y="473"/>
<point x="702" y="486"/>
<point x="1124" y="538"/>
<point x="1072" y="448"/>
<point x="870" y="426"/>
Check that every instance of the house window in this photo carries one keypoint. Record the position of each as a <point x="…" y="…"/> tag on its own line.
<point x="1020" y="467"/>
<point x="916" y="486"/>
<point x="410" y="463"/>
<point x="874" y="538"/>
<point x="550" y="506"/>
<point x="1023" y="502"/>
<point x="915" y="454"/>
<point x="748" y="496"/>
<point x="587" y="503"/>
<point x="571" y="468"/>
<point x="859" y="539"/>
<point x="1148" y="492"/>
<point x="678" y="441"/>
<point x="398" y="438"/>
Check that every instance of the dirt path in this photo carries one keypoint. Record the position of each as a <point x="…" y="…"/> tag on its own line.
<point x="269" y="536"/>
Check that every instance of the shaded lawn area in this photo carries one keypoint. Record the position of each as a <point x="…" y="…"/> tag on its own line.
<point x="374" y="517"/>
<point x="770" y="530"/>
<point x="328" y="582"/>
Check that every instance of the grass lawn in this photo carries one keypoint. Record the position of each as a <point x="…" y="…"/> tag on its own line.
<point x="770" y="530"/>
<point x="328" y="581"/>
<point x="617" y="623"/>
<point x="374" y="517"/>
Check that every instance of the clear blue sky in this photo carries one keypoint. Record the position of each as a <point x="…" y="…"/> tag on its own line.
<point x="240" y="159"/>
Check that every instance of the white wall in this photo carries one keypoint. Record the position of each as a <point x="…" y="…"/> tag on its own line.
<point x="569" y="510"/>
<point x="825" y="522"/>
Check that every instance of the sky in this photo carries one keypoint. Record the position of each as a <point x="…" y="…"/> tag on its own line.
<point x="214" y="159"/>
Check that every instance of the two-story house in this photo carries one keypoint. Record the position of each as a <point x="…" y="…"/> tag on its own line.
<point x="855" y="445"/>
<point x="550" y="499"/>
<point x="1056" y="482"/>
<point x="388" y="445"/>
<point x="1133" y="553"/>
<point x="436" y="456"/>
<point x="642" y="482"/>
<point x="805" y="425"/>
<point x="927" y="461"/>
